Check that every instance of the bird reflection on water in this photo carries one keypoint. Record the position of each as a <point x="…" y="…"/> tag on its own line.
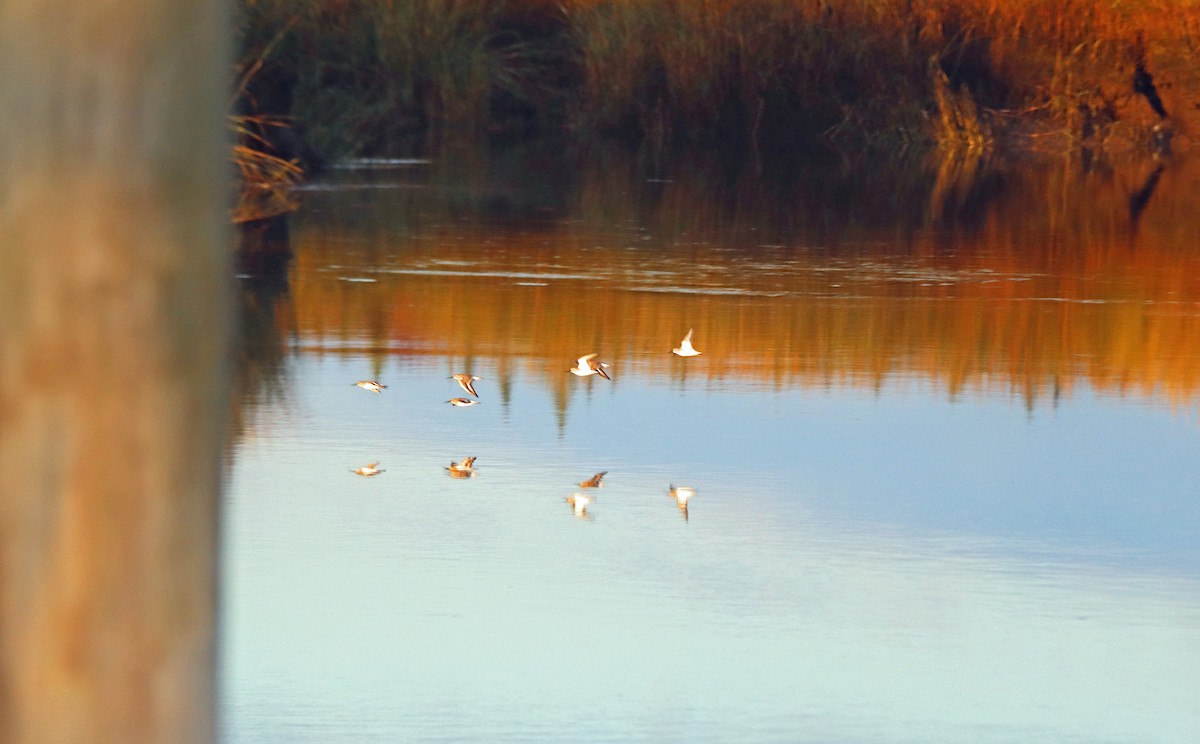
<point x="464" y="469"/>
<point x="580" y="502"/>
<point x="681" y="494"/>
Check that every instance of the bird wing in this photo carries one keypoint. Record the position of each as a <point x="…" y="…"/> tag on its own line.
<point x="583" y="360"/>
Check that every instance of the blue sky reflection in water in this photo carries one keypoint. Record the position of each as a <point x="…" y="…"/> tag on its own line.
<point x="882" y="562"/>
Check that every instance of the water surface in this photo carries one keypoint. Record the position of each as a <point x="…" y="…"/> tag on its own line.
<point x="942" y="437"/>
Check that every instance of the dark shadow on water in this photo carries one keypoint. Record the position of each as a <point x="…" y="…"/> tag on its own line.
<point x="1141" y="198"/>
<point x="264" y="252"/>
<point x="263" y="292"/>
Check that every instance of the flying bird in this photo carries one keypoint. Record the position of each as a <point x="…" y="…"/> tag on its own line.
<point x="371" y="385"/>
<point x="462" y="402"/>
<point x="685" y="347"/>
<point x="593" y="482"/>
<point x="587" y="365"/>
<point x="465" y="382"/>
<point x="368" y="470"/>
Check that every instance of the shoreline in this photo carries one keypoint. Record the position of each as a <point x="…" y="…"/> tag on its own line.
<point x="764" y="76"/>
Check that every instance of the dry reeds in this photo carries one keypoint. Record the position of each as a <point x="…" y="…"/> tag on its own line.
<point x="266" y="180"/>
<point x="861" y="68"/>
<point x="358" y="73"/>
<point x="958" y="124"/>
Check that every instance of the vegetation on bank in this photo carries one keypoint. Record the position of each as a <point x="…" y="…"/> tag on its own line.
<point x="361" y="76"/>
<point x="265" y="178"/>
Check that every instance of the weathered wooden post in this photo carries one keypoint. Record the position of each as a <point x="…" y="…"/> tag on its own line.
<point x="113" y="305"/>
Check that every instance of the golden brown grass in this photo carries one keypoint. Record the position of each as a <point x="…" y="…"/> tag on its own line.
<point x="265" y="179"/>
<point x="907" y="69"/>
<point x="358" y="73"/>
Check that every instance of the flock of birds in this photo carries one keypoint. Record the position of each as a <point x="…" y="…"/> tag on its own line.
<point x="585" y="366"/>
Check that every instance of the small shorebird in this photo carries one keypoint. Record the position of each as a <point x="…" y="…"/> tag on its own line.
<point x="371" y="385"/>
<point x="368" y="470"/>
<point x="462" y="402"/>
<point x="587" y="365"/>
<point x="464" y="381"/>
<point x="593" y="482"/>
<point x="464" y="469"/>
<point x="681" y="494"/>
<point x="580" y="503"/>
<point x="685" y="347"/>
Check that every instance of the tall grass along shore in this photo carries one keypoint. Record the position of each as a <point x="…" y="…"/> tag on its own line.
<point x="361" y="76"/>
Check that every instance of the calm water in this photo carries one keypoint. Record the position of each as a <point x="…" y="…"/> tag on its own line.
<point x="943" y="440"/>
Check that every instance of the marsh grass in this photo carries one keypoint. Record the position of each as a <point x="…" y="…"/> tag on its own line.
<point x="358" y="74"/>
<point x="265" y="179"/>
<point x="894" y="71"/>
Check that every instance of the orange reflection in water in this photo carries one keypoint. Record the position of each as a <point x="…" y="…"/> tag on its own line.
<point x="1028" y="279"/>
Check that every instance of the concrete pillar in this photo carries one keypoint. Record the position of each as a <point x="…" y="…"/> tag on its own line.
<point x="113" y="333"/>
